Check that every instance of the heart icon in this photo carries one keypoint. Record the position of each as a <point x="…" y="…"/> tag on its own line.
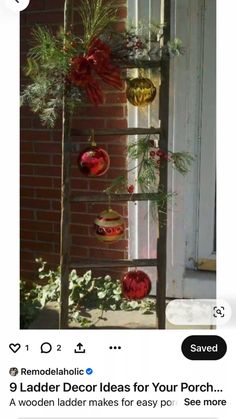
<point x="14" y="347"/>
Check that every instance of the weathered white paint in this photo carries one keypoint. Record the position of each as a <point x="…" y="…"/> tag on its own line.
<point x="207" y="173"/>
<point x="189" y="75"/>
<point x="192" y="128"/>
<point x="143" y="232"/>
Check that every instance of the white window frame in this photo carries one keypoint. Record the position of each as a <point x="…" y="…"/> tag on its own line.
<point x="191" y="128"/>
<point x="143" y="232"/>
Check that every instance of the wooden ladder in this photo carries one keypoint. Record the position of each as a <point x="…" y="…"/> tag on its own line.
<point x="67" y="199"/>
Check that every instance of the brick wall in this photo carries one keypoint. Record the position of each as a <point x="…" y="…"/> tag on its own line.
<point x="41" y="165"/>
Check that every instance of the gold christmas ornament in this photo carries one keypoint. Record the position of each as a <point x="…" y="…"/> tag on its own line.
<point x="109" y="226"/>
<point x="140" y="91"/>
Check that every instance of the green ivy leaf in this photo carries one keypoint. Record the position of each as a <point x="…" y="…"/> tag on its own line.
<point x="134" y="304"/>
<point x="101" y="294"/>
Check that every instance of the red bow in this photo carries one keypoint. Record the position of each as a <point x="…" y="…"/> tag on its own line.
<point x="98" y="59"/>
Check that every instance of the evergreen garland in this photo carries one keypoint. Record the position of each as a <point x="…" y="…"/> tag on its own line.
<point x="50" y="57"/>
<point x="149" y="161"/>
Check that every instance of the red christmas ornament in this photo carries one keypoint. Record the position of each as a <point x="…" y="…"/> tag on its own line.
<point x="109" y="226"/>
<point x="136" y="285"/>
<point x="93" y="161"/>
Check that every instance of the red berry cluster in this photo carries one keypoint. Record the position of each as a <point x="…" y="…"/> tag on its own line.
<point x="130" y="189"/>
<point x="133" y="41"/>
<point x="159" y="153"/>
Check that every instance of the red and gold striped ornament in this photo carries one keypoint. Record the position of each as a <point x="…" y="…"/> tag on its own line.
<point x="109" y="226"/>
<point x="136" y="285"/>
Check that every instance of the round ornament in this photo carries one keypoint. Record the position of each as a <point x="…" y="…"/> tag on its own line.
<point x="136" y="285"/>
<point x="140" y="91"/>
<point x="109" y="226"/>
<point x="93" y="161"/>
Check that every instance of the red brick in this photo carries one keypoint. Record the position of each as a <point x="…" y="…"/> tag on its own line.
<point x="40" y="182"/>
<point x="26" y="213"/>
<point x="28" y="266"/>
<point x="26" y="170"/>
<point x="120" y="27"/>
<point x="79" y="229"/>
<point x="25" y="123"/>
<point x="27" y="192"/>
<point x="56" y="205"/>
<point x="26" y="147"/>
<point x="116" y="97"/>
<point x="56" y="160"/>
<point x="35" y="5"/>
<point x="113" y="173"/>
<point x="77" y="207"/>
<point x="89" y="123"/>
<point x="36" y="225"/>
<point x="48" y="193"/>
<point x="118" y="162"/>
<point x="103" y="111"/>
<point x="106" y="254"/>
<point x="122" y="12"/>
<point x="52" y="259"/>
<point x="56" y="183"/>
<point x="45" y="17"/>
<point x="86" y="219"/>
<point x="28" y="235"/>
<point x="48" y="216"/>
<point x="92" y="242"/>
<point x="96" y="208"/>
<point x="98" y="185"/>
<point x="116" y="123"/>
<point x="76" y="174"/>
<point x="56" y="227"/>
<point x="25" y="33"/>
<point x="47" y="171"/>
<point x="38" y="246"/>
<point x="35" y="203"/>
<point x="79" y="184"/>
<point x="35" y="158"/>
<point x="47" y="148"/>
<point x="35" y="135"/>
<point x="26" y="112"/>
<point x="48" y="237"/>
<point x="78" y="251"/>
<point x="117" y="149"/>
<point x="26" y="254"/>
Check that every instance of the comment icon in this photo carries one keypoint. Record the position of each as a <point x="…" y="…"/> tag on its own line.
<point x="46" y="348"/>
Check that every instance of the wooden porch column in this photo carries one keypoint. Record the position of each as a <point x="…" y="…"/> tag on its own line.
<point x="163" y="144"/>
<point x="65" y="240"/>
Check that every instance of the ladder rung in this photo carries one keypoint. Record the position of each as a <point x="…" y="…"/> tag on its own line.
<point x="113" y="263"/>
<point x="115" y="131"/>
<point x="115" y="197"/>
<point x="139" y="63"/>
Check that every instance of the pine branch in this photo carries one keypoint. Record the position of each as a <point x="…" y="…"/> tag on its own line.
<point x="182" y="161"/>
<point x="96" y="17"/>
<point x="149" y="163"/>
